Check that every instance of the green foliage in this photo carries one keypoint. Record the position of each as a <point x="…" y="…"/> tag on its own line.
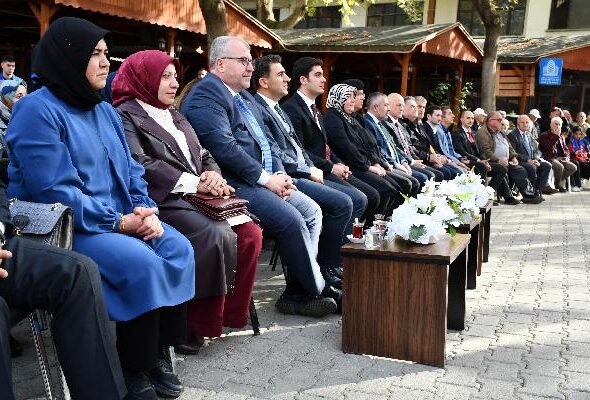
<point x="416" y="232"/>
<point x="443" y="93"/>
<point x="466" y="91"/>
<point x="413" y="8"/>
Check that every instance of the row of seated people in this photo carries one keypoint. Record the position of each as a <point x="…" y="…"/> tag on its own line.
<point x="170" y="275"/>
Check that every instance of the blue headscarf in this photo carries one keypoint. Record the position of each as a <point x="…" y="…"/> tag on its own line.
<point x="8" y="88"/>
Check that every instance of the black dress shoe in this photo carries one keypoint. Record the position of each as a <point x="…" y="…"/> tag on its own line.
<point x="562" y="190"/>
<point x="511" y="201"/>
<point x="336" y="295"/>
<point x="310" y="306"/>
<point x="337" y="271"/>
<point x="138" y="387"/>
<point x="532" y="199"/>
<point x="164" y="380"/>
<point x="331" y="278"/>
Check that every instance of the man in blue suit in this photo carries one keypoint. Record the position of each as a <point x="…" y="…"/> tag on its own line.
<point x="229" y="125"/>
<point x="270" y="83"/>
<point x="399" y="171"/>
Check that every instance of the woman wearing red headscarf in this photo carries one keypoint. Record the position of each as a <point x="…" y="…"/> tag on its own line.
<point x="175" y="163"/>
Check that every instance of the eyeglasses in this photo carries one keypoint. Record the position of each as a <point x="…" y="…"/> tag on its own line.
<point x="242" y="60"/>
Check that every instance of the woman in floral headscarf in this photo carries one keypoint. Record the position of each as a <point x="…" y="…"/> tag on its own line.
<point x="356" y="146"/>
<point x="11" y="91"/>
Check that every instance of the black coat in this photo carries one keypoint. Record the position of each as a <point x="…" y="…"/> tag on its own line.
<point x="310" y="134"/>
<point x="463" y="146"/>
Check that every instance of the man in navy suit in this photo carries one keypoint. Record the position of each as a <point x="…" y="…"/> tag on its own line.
<point x="433" y="120"/>
<point x="270" y="81"/>
<point x="229" y="125"/>
<point x="399" y="168"/>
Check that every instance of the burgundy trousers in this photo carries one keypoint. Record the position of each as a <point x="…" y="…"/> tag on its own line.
<point x="207" y="316"/>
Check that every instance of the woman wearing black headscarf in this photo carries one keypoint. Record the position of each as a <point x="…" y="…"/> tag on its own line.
<point x="66" y="145"/>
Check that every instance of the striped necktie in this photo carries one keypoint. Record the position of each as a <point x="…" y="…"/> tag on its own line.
<point x="264" y="146"/>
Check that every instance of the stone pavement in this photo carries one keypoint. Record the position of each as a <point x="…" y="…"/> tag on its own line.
<point x="527" y="334"/>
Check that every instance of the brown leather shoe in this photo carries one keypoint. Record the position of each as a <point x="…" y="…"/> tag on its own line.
<point x="190" y="348"/>
<point x="549" y="190"/>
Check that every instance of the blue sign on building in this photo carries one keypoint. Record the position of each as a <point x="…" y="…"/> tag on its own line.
<point x="550" y="71"/>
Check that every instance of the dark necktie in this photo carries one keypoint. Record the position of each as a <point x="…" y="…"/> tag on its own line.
<point x="314" y="112"/>
<point x="264" y="146"/>
<point x="402" y="139"/>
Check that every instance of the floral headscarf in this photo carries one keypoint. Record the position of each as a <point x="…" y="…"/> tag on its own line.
<point x="337" y="97"/>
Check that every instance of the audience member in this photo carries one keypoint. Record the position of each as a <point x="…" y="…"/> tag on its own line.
<point x="270" y="83"/>
<point x="398" y="166"/>
<point x="581" y="122"/>
<point x="68" y="146"/>
<point x="555" y="150"/>
<point x="225" y="255"/>
<point x="357" y="147"/>
<point x="230" y="126"/>
<point x="308" y="123"/>
<point x="494" y="146"/>
<point x="479" y="116"/>
<point x="445" y="141"/>
<point x="579" y="149"/>
<point x="10" y="92"/>
<point x="433" y="120"/>
<point x="401" y="137"/>
<point x="359" y="100"/>
<point x="8" y="65"/>
<point x="534" y="116"/>
<point x="464" y="143"/>
<point x="527" y="153"/>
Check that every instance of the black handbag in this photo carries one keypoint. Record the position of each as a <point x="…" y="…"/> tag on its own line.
<point x="48" y="223"/>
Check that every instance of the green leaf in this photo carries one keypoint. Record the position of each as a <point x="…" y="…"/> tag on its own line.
<point x="452" y="230"/>
<point x="416" y="232"/>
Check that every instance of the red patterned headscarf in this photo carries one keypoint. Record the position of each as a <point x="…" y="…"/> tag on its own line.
<point x="139" y="77"/>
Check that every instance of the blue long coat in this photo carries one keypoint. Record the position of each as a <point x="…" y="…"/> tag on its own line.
<point x="60" y="153"/>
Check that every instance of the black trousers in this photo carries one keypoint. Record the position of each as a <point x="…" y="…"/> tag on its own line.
<point x="373" y="198"/>
<point x="497" y="174"/>
<point x="438" y="173"/>
<point x="520" y="177"/>
<point x="538" y="176"/>
<point x="68" y="285"/>
<point x="389" y="190"/>
<point x="140" y="340"/>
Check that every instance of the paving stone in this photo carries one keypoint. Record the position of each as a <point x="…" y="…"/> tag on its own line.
<point x="507" y="355"/>
<point x="402" y="393"/>
<point x="539" y="385"/>
<point x="577" y="381"/>
<point x="459" y="376"/>
<point x="546" y="352"/>
<point x="448" y="391"/>
<point x="577" y="364"/>
<point x="502" y="371"/>
<point x="496" y="389"/>
<point x="539" y="366"/>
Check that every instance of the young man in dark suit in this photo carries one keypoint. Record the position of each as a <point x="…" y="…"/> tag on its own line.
<point x="307" y="120"/>
<point x="230" y="126"/>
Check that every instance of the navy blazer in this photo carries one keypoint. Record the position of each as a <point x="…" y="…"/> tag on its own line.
<point x="372" y="127"/>
<point x="278" y="133"/>
<point x="310" y="134"/>
<point x="517" y="142"/>
<point x="228" y="136"/>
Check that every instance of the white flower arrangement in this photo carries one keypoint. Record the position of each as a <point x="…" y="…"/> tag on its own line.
<point x="440" y="208"/>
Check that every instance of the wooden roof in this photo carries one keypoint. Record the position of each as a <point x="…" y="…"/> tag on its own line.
<point x="181" y="14"/>
<point x="447" y="40"/>
<point x="575" y="50"/>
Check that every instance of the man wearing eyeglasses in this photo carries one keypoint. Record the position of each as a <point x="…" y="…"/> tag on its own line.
<point x="229" y="125"/>
<point x="494" y="146"/>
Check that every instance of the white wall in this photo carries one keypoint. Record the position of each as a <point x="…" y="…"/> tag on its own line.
<point x="536" y="18"/>
<point x="446" y="11"/>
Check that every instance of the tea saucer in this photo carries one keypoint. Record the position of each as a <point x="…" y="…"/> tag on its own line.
<point x="355" y="240"/>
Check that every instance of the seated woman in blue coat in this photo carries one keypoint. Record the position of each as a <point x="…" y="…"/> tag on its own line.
<point x="68" y="146"/>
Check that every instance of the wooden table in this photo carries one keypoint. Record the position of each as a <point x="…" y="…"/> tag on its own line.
<point x="400" y="299"/>
<point x="474" y="259"/>
<point x="486" y="216"/>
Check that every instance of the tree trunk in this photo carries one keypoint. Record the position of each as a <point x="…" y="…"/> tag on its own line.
<point x="265" y="15"/>
<point x="493" y="25"/>
<point x="214" y="16"/>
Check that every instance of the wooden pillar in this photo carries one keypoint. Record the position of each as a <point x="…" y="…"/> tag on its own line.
<point x="170" y="41"/>
<point x="43" y="11"/>
<point x="405" y="72"/>
<point x="380" y="71"/>
<point x="430" y="14"/>
<point x="458" y="88"/>
<point x="524" y="72"/>
<point x="413" y="81"/>
<point x="329" y="60"/>
<point x="256" y="52"/>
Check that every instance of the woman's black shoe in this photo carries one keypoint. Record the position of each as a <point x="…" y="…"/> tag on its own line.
<point x="138" y="387"/>
<point x="163" y="378"/>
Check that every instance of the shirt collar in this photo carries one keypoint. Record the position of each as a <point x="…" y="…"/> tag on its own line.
<point x="231" y="91"/>
<point x="374" y="118"/>
<point x="271" y="103"/>
<point x="306" y="99"/>
<point x="393" y="120"/>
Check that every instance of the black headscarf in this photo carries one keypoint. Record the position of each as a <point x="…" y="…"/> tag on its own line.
<point x="61" y="57"/>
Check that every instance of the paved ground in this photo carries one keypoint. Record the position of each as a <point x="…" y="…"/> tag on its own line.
<point x="527" y="334"/>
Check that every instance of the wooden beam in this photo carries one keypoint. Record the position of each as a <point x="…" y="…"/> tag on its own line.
<point x="525" y="89"/>
<point x="405" y="71"/>
<point x="430" y="14"/>
<point x="171" y="41"/>
<point x="414" y="80"/>
<point x="44" y="12"/>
